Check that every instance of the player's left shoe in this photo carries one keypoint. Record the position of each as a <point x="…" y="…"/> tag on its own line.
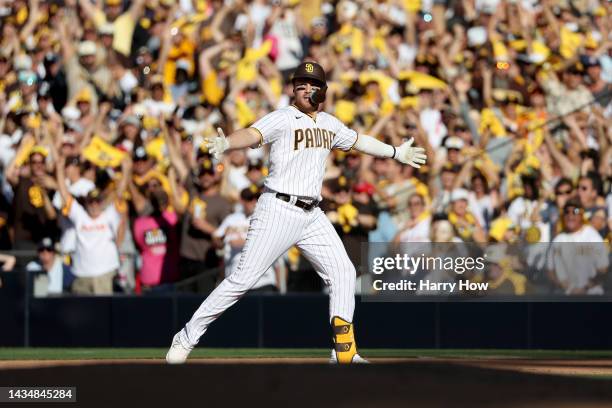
<point x="357" y="359"/>
<point x="178" y="353"/>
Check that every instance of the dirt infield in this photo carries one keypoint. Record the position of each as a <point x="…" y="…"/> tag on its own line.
<point x="584" y="367"/>
<point x="305" y="382"/>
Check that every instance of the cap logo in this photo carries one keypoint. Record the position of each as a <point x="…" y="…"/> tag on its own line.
<point x="309" y="68"/>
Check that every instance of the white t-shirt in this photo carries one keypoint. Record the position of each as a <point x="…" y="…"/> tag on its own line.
<point x="520" y="211"/>
<point x="431" y="121"/>
<point x="576" y="257"/>
<point x="79" y="188"/>
<point x="289" y="44"/>
<point x="299" y="148"/>
<point x="55" y="278"/>
<point x="235" y="226"/>
<point x="237" y="178"/>
<point x="478" y="207"/>
<point x="418" y="233"/>
<point x="96" y="249"/>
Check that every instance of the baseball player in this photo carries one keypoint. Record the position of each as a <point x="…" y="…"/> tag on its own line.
<point x="287" y="213"/>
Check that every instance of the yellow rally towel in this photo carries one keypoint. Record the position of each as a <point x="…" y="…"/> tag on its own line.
<point x="347" y="214"/>
<point x="346" y="110"/>
<point x="103" y="154"/>
<point x="246" y="69"/>
<point x="24" y="151"/>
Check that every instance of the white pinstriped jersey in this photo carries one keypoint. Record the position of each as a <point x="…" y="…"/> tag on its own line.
<point x="299" y="148"/>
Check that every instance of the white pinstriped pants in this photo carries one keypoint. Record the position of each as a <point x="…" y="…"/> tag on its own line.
<point x="275" y="227"/>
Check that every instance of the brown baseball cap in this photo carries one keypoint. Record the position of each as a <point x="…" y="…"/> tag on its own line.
<point x="310" y="70"/>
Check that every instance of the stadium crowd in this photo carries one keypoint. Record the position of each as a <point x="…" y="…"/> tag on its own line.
<point x="105" y="104"/>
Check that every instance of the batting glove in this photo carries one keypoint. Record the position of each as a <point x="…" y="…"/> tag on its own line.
<point x="413" y="156"/>
<point x="217" y="145"/>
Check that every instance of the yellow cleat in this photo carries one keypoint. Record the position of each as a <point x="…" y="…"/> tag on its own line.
<point x="344" y="340"/>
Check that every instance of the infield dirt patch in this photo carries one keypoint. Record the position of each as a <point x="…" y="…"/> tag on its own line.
<point x="583" y="367"/>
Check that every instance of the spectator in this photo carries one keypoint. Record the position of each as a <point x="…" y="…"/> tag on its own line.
<point x="499" y="273"/>
<point x="417" y="228"/>
<point x="589" y="187"/>
<point x="578" y="260"/>
<point x="96" y="257"/>
<point x="206" y="210"/>
<point x="466" y="225"/>
<point x="53" y="277"/>
<point x="157" y="238"/>
<point x="233" y="232"/>
<point x="33" y="214"/>
<point x="78" y="187"/>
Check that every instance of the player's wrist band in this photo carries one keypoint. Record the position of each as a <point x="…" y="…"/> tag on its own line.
<point x="394" y="152"/>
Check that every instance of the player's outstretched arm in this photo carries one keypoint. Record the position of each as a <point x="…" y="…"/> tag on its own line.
<point x="413" y="156"/>
<point x="238" y="140"/>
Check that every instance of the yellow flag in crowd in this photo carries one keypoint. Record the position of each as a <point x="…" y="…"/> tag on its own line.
<point x="103" y="154"/>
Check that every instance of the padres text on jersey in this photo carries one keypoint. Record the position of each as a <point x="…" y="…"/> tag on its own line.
<point x="299" y="148"/>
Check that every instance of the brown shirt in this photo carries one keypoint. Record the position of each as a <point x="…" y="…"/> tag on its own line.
<point x="195" y="244"/>
<point x="30" y="219"/>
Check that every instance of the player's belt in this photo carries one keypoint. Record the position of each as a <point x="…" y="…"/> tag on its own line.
<point x="298" y="203"/>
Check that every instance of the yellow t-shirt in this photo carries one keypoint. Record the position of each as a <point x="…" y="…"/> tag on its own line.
<point x="213" y="93"/>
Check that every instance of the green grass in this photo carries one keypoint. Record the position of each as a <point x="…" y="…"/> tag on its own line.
<point x="158" y="353"/>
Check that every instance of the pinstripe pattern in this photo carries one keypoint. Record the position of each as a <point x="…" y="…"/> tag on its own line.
<point x="276" y="225"/>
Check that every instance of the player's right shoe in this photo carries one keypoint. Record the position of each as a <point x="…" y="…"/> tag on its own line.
<point x="345" y="347"/>
<point x="178" y="353"/>
<point x="357" y="359"/>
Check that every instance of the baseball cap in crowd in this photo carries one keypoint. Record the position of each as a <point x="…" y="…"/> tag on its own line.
<point x="94" y="195"/>
<point x="112" y="2"/>
<point x="340" y="184"/>
<point x="576" y="69"/>
<point x="573" y="206"/>
<point x="107" y="29"/>
<point x="185" y="135"/>
<point x="84" y="95"/>
<point x="131" y="120"/>
<point x="453" y="168"/>
<point x="87" y="48"/>
<point x="157" y="80"/>
<point x="73" y="161"/>
<point x="364" y="187"/>
<point x="22" y="62"/>
<point x="590" y="61"/>
<point x="68" y="139"/>
<point x="459" y="194"/>
<point x="27" y="77"/>
<point x="495" y="253"/>
<point x="476" y="36"/>
<point x="39" y="150"/>
<point x="454" y="142"/>
<point x="255" y="165"/>
<point x="252" y="192"/>
<point x="140" y="154"/>
<point x="46" y="244"/>
<point x="207" y="167"/>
